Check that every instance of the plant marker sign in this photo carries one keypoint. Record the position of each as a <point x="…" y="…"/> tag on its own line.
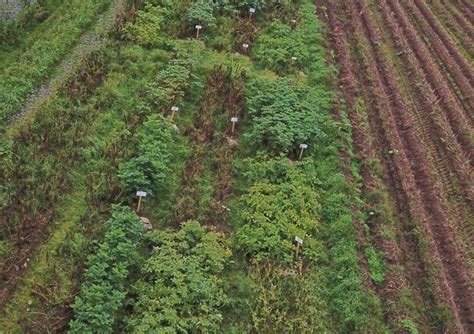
<point x="302" y="148"/>
<point x="198" y="29"/>
<point x="246" y="47"/>
<point x="140" y="195"/>
<point x="252" y="11"/>
<point x="174" y="110"/>
<point x="299" y="243"/>
<point x="234" y="120"/>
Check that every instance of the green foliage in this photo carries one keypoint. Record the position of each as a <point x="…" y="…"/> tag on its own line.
<point x="272" y="214"/>
<point x="26" y="72"/>
<point x="103" y="291"/>
<point x="282" y="118"/>
<point x="180" y="290"/>
<point x="147" y="30"/>
<point x="376" y="265"/>
<point x="202" y="12"/>
<point x="286" y="302"/>
<point x="149" y="170"/>
<point x="409" y="326"/>
<point x="278" y="43"/>
<point x="170" y="85"/>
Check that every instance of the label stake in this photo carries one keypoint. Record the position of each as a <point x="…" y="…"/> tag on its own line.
<point x="174" y="109"/>
<point x="299" y="243"/>
<point x="302" y="147"/>
<point x="234" y="120"/>
<point x="252" y="11"/>
<point x="198" y="28"/>
<point x="140" y="194"/>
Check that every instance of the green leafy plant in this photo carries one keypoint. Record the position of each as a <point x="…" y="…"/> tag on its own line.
<point x="202" y="12"/>
<point x="147" y="30"/>
<point x="281" y="117"/>
<point x="376" y="265"/>
<point x="170" y="84"/>
<point x="149" y="170"/>
<point x="273" y="214"/>
<point x="103" y="291"/>
<point x="180" y="289"/>
<point x="285" y="301"/>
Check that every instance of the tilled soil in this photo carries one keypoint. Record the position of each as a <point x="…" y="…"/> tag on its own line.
<point x="422" y="141"/>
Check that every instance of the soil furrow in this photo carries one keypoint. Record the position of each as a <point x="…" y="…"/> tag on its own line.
<point x="454" y="111"/>
<point x="448" y="43"/>
<point x="445" y="158"/>
<point x="466" y="9"/>
<point x="393" y="285"/>
<point x="459" y="29"/>
<point x="429" y="112"/>
<point x="459" y="69"/>
<point x="396" y="126"/>
<point x="433" y="203"/>
<point x="399" y="179"/>
<point x="464" y="23"/>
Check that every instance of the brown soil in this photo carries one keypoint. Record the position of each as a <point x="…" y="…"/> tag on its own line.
<point x="409" y="174"/>
<point x="223" y="96"/>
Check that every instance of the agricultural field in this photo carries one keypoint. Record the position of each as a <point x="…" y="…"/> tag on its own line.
<point x="236" y="166"/>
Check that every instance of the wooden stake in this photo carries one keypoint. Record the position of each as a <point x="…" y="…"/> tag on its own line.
<point x="174" y="109"/>
<point x="234" y="120"/>
<point x="198" y="28"/>
<point x="139" y="203"/>
<point x="252" y="10"/>
<point x="299" y="243"/>
<point x="140" y="194"/>
<point x="302" y="147"/>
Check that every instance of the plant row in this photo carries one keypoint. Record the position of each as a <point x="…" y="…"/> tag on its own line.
<point x="309" y="199"/>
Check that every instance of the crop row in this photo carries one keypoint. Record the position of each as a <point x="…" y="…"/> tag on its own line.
<point x="443" y="138"/>
<point x="457" y="66"/>
<point x="439" y="222"/>
<point x="376" y="72"/>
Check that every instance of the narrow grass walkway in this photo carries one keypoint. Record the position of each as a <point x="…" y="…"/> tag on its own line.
<point x="51" y="270"/>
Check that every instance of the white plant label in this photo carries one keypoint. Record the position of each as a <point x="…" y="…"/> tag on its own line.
<point x="252" y="10"/>
<point x="294" y="58"/>
<point x="234" y="119"/>
<point x="245" y="45"/>
<point x="141" y="193"/>
<point x="198" y="27"/>
<point x="174" y="109"/>
<point x="304" y="146"/>
<point x="299" y="240"/>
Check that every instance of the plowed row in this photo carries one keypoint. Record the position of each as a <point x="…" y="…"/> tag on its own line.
<point x="417" y="88"/>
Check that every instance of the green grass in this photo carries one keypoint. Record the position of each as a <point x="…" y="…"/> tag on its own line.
<point x="50" y="270"/>
<point x="28" y="69"/>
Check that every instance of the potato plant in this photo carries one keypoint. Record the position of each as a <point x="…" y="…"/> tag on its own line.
<point x="104" y="290"/>
<point x="181" y="289"/>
